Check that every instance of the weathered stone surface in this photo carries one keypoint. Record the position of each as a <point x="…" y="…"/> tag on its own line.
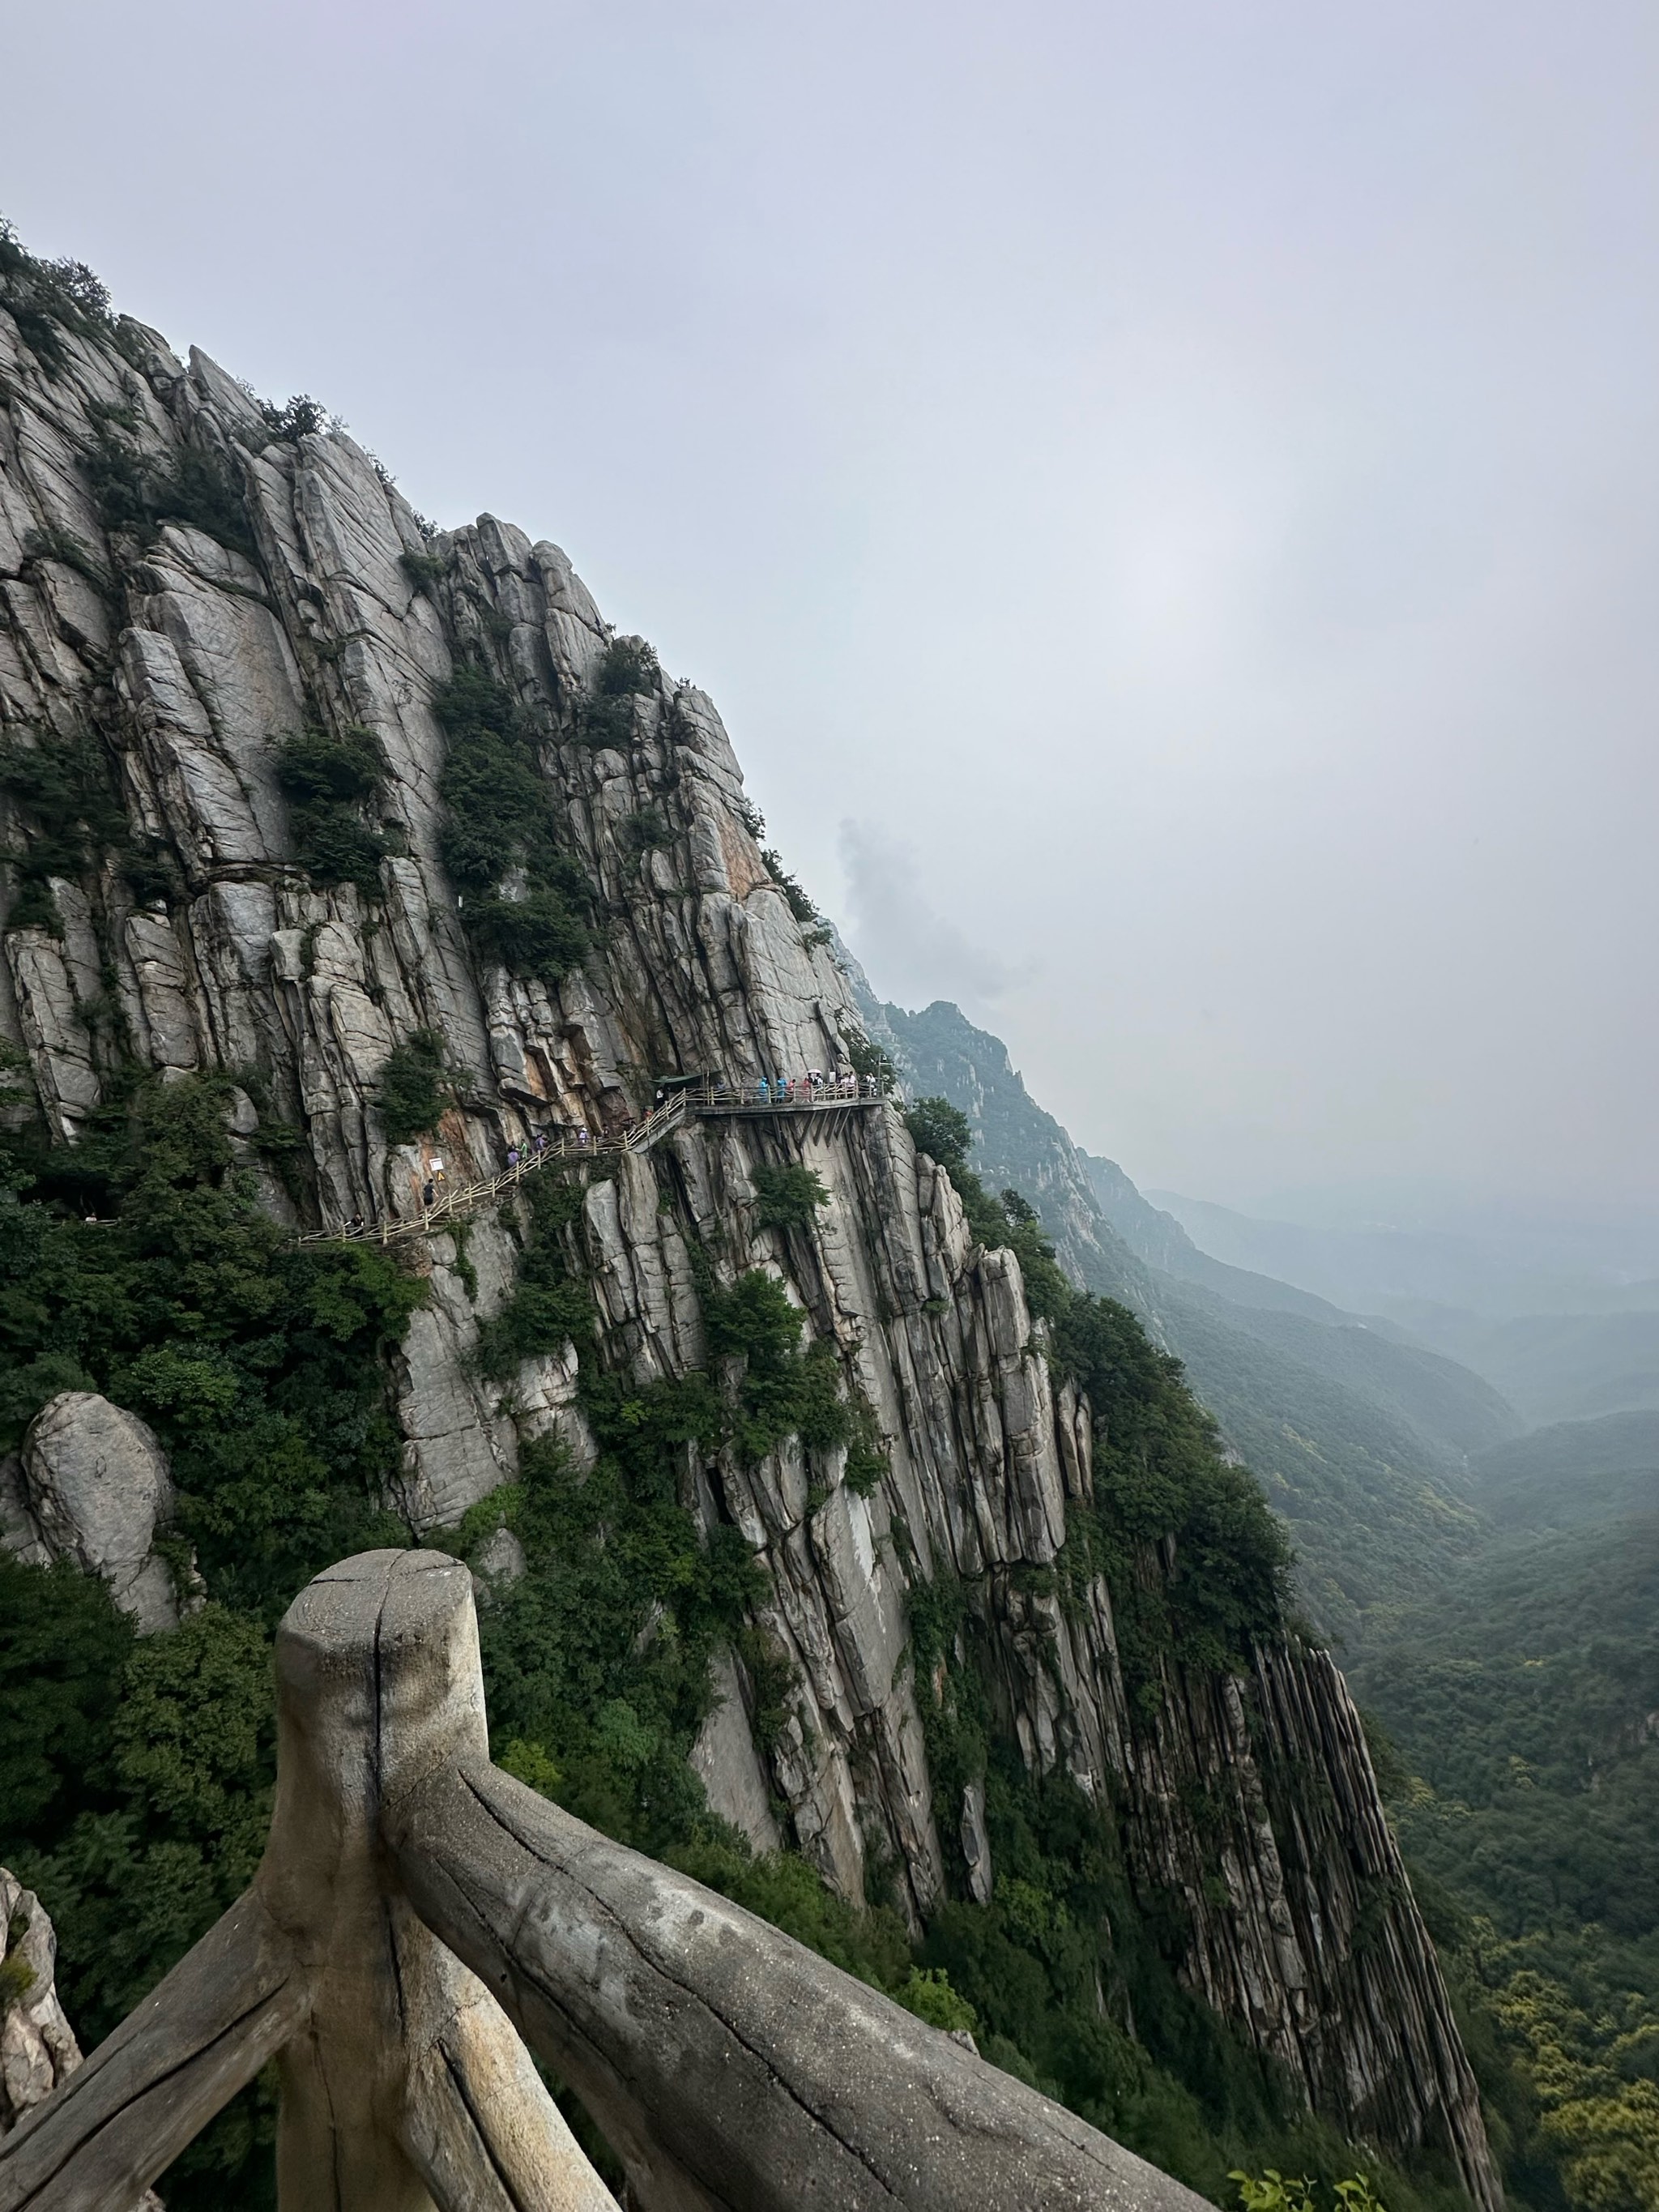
<point x="38" y="2046"/>
<point x="37" y="2049"/>
<point x="725" y="1759"/>
<point x="185" y="661"/>
<point x="92" y="1485"/>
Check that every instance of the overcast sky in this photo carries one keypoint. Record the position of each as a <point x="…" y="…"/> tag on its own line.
<point x="1166" y="496"/>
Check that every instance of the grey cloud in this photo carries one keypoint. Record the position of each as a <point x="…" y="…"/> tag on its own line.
<point x="1189" y="471"/>
<point x="912" y="953"/>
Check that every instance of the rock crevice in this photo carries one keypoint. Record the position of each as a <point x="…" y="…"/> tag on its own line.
<point x="184" y="662"/>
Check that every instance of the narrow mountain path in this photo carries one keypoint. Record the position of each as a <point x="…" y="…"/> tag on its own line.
<point x="461" y="1202"/>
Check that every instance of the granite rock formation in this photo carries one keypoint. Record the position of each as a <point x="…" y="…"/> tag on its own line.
<point x="92" y="1485"/>
<point x="38" y="2046"/>
<point x="185" y="659"/>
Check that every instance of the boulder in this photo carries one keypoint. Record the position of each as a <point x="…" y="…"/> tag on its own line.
<point x="92" y="1485"/>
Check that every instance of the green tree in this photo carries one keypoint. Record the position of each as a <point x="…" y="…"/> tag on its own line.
<point x="416" y="1088"/>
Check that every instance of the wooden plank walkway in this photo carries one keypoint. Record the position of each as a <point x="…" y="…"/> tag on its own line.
<point x="461" y="1202"/>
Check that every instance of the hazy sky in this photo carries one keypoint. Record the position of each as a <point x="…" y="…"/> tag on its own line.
<point x="1166" y="496"/>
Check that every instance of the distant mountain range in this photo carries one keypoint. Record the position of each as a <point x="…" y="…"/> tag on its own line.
<point x="1560" y="1336"/>
<point x="1359" y="1434"/>
<point x="1572" y="1475"/>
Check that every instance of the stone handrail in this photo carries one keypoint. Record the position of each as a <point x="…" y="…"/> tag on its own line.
<point x="462" y="1200"/>
<point x="417" y="1912"/>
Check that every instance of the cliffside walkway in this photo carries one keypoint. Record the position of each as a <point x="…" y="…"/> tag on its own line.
<point x="725" y="2064"/>
<point x="711" y="1100"/>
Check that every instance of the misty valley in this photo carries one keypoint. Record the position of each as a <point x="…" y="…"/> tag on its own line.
<point x="1138" y="1689"/>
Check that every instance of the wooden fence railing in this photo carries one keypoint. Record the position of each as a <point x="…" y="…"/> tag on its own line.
<point x="417" y="1912"/>
<point x="450" y="1202"/>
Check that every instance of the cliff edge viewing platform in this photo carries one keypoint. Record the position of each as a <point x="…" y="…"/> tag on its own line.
<point x="446" y="1202"/>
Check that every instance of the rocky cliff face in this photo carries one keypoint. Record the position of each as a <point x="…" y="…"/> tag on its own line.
<point x="181" y="658"/>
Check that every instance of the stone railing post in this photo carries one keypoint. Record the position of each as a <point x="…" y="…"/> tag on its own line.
<point x="404" y="2085"/>
<point x="731" y="2069"/>
<point x="406" y="2076"/>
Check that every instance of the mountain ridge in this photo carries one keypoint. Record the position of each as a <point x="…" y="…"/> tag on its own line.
<point x="344" y="854"/>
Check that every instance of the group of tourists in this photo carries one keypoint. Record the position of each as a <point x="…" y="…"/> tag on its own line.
<point x="814" y="1086"/>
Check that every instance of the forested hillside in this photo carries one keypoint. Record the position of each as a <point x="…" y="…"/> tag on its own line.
<point x="1512" y="1672"/>
<point x="1358" y="1439"/>
<point x="1522" y="1702"/>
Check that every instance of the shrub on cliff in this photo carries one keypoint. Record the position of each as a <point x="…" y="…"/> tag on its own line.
<point x="63" y="787"/>
<point x="779" y="1391"/>
<point x="329" y="781"/>
<point x="549" y="1303"/>
<point x="45" y="298"/>
<point x="416" y="1087"/>
<point x="501" y="822"/>
<point x="1008" y="1223"/>
<point x="800" y="902"/>
<point x="786" y="1197"/>
<point x="135" y="493"/>
<point x="629" y="670"/>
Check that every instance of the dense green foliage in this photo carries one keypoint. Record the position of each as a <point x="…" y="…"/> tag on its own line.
<point x="72" y="816"/>
<point x="257" y="1362"/>
<point x="63" y="1651"/>
<point x="161" y="1758"/>
<point x="572" y="1681"/>
<point x="786" y="1197"/>
<point x="135" y="493"/>
<point x="500" y="821"/>
<point x="549" y="1303"/>
<point x="1572" y="1475"/>
<point x="1158" y="1473"/>
<point x="301" y="416"/>
<point x="330" y="782"/>
<point x="1523" y="1698"/>
<point x="416" y="1087"/>
<point x="628" y="670"/>
<point x="46" y="298"/>
<point x="781" y="1390"/>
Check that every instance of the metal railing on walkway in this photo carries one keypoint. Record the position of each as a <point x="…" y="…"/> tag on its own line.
<point x="452" y="1202"/>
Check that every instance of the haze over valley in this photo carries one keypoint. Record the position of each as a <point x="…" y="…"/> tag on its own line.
<point x="829" y="1237"/>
